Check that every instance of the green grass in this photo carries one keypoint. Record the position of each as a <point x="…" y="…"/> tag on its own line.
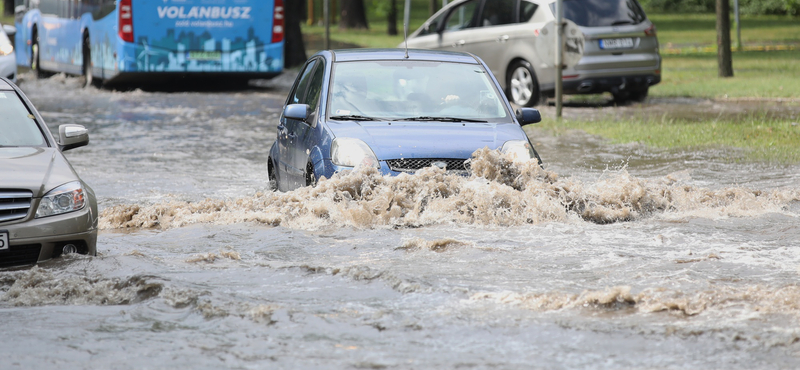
<point x="763" y="139"/>
<point x="681" y="30"/>
<point x="772" y="74"/>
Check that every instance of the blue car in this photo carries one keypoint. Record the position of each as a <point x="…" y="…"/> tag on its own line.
<point x="395" y="110"/>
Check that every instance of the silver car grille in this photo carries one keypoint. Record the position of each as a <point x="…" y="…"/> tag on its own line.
<point x="14" y="204"/>
<point x="414" y="164"/>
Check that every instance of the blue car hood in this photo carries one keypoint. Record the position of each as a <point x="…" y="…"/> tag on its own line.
<point x="429" y="139"/>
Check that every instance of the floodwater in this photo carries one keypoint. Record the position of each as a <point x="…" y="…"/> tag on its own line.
<point x="611" y="257"/>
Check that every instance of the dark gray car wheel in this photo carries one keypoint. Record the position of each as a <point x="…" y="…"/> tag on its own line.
<point x="273" y="178"/>
<point x="311" y="179"/>
<point x="523" y="88"/>
<point x="638" y="95"/>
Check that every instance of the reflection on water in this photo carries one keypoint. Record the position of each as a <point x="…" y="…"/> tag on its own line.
<point x="609" y="257"/>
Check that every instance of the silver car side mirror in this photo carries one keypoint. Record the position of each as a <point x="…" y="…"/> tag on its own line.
<point x="297" y="111"/>
<point x="72" y="136"/>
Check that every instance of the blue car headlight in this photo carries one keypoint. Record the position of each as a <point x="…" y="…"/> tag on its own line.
<point x="66" y="198"/>
<point x="519" y="150"/>
<point x="350" y="152"/>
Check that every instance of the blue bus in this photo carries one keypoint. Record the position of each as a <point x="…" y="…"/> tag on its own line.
<point x="132" y="41"/>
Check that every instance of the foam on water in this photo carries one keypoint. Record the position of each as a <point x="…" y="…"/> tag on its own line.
<point x="40" y="287"/>
<point x="499" y="192"/>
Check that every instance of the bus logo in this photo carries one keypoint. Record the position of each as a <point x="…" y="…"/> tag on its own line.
<point x="207" y="12"/>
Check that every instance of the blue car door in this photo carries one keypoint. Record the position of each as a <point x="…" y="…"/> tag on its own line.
<point x="304" y="131"/>
<point x="287" y="136"/>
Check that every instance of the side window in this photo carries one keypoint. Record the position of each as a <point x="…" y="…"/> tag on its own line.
<point x="462" y="16"/>
<point x="526" y="11"/>
<point x="433" y="26"/>
<point x="315" y="87"/>
<point x="298" y="95"/>
<point x="497" y="12"/>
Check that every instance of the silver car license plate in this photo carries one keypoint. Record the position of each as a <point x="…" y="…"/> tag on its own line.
<point x="3" y="240"/>
<point x="625" y="43"/>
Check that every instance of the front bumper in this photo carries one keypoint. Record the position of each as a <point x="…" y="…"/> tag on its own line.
<point x="34" y="240"/>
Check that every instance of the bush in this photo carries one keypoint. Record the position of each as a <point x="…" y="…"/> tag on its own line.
<point x="750" y="7"/>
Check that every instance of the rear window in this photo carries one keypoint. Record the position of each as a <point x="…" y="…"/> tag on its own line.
<point x="17" y="124"/>
<point x="602" y="13"/>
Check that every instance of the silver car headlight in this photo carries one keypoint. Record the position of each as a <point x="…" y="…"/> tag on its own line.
<point x="519" y="150"/>
<point x="350" y="152"/>
<point x="66" y="198"/>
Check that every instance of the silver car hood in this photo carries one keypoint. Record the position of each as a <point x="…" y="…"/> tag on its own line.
<point x="36" y="169"/>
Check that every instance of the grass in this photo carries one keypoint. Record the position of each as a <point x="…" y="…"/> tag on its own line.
<point x="763" y="139"/>
<point x="769" y="74"/>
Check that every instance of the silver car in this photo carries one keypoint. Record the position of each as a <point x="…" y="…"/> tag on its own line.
<point x="620" y="53"/>
<point x="45" y="208"/>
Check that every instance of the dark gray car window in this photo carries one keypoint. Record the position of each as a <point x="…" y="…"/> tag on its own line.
<point x="498" y="12"/>
<point x="17" y="125"/>
<point x="432" y="26"/>
<point x="462" y="16"/>
<point x="298" y="96"/>
<point x="602" y="13"/>
<point x="526" y="11"/>
<point x="315" y="87"/>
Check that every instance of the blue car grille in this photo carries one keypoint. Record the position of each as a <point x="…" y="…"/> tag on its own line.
<point x="414" y="164"/>
<point x="20" y="255"/>
<point x="14" y="204"/>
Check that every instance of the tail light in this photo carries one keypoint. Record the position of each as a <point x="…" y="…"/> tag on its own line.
<point x="126" y="20"/>
<point x="277" y="22"/>
<point x="650" y="31"/>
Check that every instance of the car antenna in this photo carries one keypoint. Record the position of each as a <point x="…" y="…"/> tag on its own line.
<point x="405" y="27"/>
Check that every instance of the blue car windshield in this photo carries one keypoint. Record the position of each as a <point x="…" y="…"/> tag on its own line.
<point x="406" y="89"/>
<point x="17" y="125"/>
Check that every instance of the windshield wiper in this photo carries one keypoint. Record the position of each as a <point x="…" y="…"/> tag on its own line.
<point x="618" y="23"/>
<point x="440" y="119"/>
<point x="355" y="117"/>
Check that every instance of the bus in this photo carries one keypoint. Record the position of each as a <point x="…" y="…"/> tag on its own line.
<point x="137" y="41"/>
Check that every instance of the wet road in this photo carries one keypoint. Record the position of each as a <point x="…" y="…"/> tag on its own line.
<point x="614" y="256"/>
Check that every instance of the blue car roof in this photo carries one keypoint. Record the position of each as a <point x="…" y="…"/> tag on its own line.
<point x="349" y="55"/>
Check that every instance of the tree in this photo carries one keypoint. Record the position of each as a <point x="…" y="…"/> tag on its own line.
<point x="294" y="48"/>
<point x="432" y="7"/>
<point x="724" y="58"/>
<point x="391" y="20"/>
<point x="353" y="15"/>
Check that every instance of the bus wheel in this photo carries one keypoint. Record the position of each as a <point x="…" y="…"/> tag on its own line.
<point x="88" y="78"/>
<point x="35" y="55"/>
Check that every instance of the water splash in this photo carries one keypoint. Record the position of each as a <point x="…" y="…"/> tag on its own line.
<point x="499" y="192"/>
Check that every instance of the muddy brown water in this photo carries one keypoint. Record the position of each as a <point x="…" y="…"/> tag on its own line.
<point x="612" y="256"/>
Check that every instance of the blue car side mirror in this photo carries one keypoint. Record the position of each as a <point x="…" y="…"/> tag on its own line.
<point x="296" y="111"/>
<point x="527" y="116"/>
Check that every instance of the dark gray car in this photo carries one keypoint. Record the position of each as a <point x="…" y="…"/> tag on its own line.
<point x="45" y="208"/>
<point x="618" y="52"/>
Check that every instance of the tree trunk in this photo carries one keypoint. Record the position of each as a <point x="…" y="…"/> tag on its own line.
<point x="8" y="7"/>
<point x="724" y="58"/>
<point x="353" y="15"/>
<point x="294" y="48"/>
<point x="432" y="7"/>
<point x="391" y="21"/>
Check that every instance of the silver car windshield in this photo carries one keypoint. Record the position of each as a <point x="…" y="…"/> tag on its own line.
<point x="17" y="124"/>
<point x="409" y="89"/>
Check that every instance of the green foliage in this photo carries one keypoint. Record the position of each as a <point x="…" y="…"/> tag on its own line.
<point x="750" y="7"/>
